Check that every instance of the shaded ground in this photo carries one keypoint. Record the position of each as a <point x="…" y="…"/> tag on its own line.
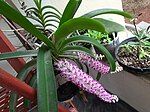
<point x="140" y="7"/>
<point x="94" y="104"/>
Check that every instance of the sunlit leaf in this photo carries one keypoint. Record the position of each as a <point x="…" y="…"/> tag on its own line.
<point x="77" y="24"/>
<point x="107" y="11"/>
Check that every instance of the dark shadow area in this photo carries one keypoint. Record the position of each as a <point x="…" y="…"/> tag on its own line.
<point x="94" y="104"/>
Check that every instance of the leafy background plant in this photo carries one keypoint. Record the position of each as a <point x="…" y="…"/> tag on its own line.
<point x="101" y="37"/>
<point x="142" y="43"/>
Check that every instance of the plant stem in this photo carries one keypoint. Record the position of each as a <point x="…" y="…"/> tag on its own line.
<point x="98" y="76"/>
<point x="134" y="23"/>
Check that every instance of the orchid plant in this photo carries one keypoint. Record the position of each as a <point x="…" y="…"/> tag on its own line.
<point x="57" y="51"/>
<point x="142" y="43"/>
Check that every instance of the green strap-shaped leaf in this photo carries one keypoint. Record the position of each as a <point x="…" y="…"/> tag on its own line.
<point x="75" y="24"/>
<point x="33" y="9"/>
<point x="50" y="7"/>
<point x="49" y="24"/>
<point x="15" y="16"/>
<point x="38" y="3"/>
<point x="21" y="75"/>
<point x="110" y="26"/>
<point x="98" y="76"/>
<point x="87" y="39"/>
<point x="70" y="10"/>
<point x="46" y="85"/>
<point x="51" y="20"/>
<point x="50" y="13"/>
<point x="26" y="69"/>
<point x="33" y="13"/>
<point x="51" y="16"/>
<point x="18" y="54"/>
<point x="33" y="81"/>
<point x="13" y="102"/>
<point x="107" y="11"/>
<point x="77" y="48"/>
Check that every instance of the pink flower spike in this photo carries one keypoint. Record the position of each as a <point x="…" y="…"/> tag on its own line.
<point x="95" y="64"/>
<point x="72" y="73"/>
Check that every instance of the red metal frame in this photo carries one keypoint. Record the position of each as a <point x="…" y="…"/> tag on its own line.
<point x="11" y="83"/>
<point x="6" y="46"/>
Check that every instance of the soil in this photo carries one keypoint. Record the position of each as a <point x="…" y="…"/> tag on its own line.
<point x="132" y="58"/>
<point x="140" y="7"/>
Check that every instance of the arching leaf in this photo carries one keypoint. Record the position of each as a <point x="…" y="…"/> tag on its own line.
<point x="51" y="20"/>
<point x="51" y="16"/>
<point x="50" y="7"/>
<point x="110" y="26"/>
<point x="107" y="11"/>
<point x="92" y="41"/>
<point x="75" y="24"/>
<point x="50" y="13"/>
<point x="78" y="49"/>
<point x="33" y="9"/>
<point x="49" y="24"/>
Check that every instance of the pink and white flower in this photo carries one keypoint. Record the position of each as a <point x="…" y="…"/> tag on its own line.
<point x="92" y="63"/>
<point x="72" y="73"/>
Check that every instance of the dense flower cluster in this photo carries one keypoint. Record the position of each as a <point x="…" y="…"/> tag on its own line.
<point x="72" y="73"/>
<point x="92" y="63"/>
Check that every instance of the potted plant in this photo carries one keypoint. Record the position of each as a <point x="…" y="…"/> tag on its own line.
<point x="58" y="53"/>
<point x="134" y="53"/>
<point x="108" y="40"/>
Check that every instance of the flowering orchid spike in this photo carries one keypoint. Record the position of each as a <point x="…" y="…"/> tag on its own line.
<point x="95" y="64"/>
<point x="72" y="73"/>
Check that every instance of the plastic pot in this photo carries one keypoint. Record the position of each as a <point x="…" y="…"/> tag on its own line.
<point x="131" y="69"/>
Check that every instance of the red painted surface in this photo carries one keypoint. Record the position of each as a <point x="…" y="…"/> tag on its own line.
<point x="12" y="83"/>
<point x="6" y="46"/>
<point x="62" y="109"/>
<point x="17" y="63"/>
